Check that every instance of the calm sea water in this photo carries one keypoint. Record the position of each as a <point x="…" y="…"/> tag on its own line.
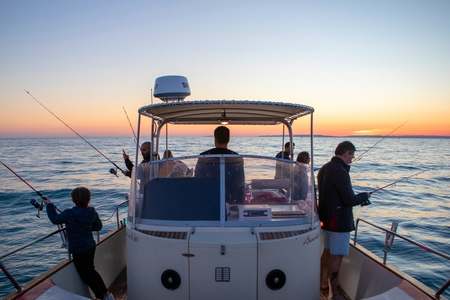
<point x="55" y="166"/>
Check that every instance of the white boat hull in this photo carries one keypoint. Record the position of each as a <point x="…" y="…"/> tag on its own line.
<point x="224" y="263"/>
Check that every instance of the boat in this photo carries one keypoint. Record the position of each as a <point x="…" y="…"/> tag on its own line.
<point x="237" y="231"/>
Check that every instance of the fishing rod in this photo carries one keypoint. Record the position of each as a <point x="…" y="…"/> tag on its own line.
<point x="396" y="181"/>
<point x="377" y="142"/>
<point x="112" y="171"/>
<point x="129" y="122"/>
<point x="34" y="202"/>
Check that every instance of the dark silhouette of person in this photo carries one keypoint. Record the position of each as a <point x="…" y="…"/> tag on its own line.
<point x="234" y="166"/>
<point x="301" y="179"/>
<point x="282" y="169"/>
<point x="336" y="201"/>
<point x="80" y="221"/>
<point x="173" y="168"/>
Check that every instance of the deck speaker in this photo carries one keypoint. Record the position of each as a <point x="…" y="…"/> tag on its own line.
<point x="275" y="280"/>
<point x="170" y="279"/>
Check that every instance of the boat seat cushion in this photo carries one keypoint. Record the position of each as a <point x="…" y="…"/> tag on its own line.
<point x="182" y="199"/>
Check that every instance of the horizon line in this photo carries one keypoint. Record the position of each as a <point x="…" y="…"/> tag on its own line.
<point x="210" y="135"/>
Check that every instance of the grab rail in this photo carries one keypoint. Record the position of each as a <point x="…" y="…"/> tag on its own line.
<point x="11" y="278"/>
<point x="421" y="246"/>
<point x="115" y="212"/>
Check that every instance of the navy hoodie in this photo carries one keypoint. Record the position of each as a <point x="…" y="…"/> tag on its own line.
<point x="80" y="222"/>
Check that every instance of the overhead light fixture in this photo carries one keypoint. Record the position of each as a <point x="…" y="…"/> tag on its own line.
<point x="223" y="119"/>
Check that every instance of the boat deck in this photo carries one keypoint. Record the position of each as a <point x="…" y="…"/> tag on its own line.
<point x="119" y="288"/>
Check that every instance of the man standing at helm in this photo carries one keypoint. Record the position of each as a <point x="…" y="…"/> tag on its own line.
<point x="336" y="201"/>
<point x="234" y="166"/>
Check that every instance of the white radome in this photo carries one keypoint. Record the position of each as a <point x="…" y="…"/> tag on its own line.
<point x="171" y="88"/>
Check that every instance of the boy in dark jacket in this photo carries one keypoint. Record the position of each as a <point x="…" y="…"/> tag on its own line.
<point x="80" y="221"/>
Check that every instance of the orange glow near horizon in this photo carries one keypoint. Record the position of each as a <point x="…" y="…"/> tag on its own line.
<point x="120" y="128"/>
<point x="100" y="118"/>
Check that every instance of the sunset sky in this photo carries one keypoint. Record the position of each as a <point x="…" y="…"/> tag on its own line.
<point x="365" y="66"/>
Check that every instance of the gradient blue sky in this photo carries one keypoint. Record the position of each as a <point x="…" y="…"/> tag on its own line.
<point x="365" y="66"/>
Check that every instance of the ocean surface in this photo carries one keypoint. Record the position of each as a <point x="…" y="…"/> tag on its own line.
<point x="54" y="166"/>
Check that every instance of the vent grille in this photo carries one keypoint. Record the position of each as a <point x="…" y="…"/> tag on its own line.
<point x="223" y="274"/>
<point x="280" y="234"/>
<point x="177" y="235"/>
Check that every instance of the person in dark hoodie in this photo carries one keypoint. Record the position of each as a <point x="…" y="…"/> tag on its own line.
<point x="80" y="221"/>
<point x="336" y="200"/>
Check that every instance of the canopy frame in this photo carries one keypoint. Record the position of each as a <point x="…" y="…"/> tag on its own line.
<point x="214" y="112"/>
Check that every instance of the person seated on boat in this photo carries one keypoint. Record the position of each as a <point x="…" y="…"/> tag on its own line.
<point x="234" y="166"/>
<point x="173" y="168"/>
<point x="336" y="200"/>
<point x="301" y="178"/>
<point x="143" y="170"/>
<point x="80" y="221"/>
<point x="282" y="169"/>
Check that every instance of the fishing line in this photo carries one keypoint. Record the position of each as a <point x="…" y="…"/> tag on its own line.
<point x="112" y="171"/>
<point x="23" y="180"/>
<point x="129" y="122"/>
<point x="377" y="142"/>
<point x="37" y="205"/>
<point x="397" y="181"/>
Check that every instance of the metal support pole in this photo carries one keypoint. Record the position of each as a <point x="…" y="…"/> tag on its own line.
<point x="389" y="240"/>
<point x="442" y="289"/>
<point x="313" y="179"/>
<point x="222" y="191"/>
<point x="167" y="136"/>
<point x="117" y="217"/>
<point x="10" y="277"/>
<point x="152" y="139"/>
<point x="356" y="232"/>
<point x="291" y="177"/>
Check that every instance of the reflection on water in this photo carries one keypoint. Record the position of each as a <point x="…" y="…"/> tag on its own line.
<point x="55" y="166"/>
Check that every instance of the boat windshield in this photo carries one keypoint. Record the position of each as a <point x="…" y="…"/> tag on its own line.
<point x="230" y="190"/>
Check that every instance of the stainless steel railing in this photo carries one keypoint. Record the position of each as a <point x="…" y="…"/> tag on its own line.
<point x="60" y="231"/>
<point x="390" y="234"/>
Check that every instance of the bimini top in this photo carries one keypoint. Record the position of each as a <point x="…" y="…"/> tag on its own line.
<point x="226" y="112"/>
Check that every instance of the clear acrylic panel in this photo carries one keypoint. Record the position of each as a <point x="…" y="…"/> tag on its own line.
<point x="254" y="189"/>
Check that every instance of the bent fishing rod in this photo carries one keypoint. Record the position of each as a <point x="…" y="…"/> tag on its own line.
<point x="112" y="171"/>
<point x="397" y="181"/>
<point x="129" y="123"/>
<point x="36" y="204"/>
<point x="377" y="142"/>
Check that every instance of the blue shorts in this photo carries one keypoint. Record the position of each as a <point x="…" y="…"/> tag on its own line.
<point x="336" y="242"/>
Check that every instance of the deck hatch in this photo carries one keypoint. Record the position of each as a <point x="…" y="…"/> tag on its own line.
<point x="178" y="235"/>
<point x="223" y="274"/>
<point x="280" y="234"/>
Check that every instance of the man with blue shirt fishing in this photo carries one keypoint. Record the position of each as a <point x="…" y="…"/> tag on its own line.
<point x="336" y="201"/>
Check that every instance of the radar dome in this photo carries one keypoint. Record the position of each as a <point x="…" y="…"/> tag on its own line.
<point x="171" y="88"/>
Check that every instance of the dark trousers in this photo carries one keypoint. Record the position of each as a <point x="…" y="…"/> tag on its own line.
<point x="84" y="263"/>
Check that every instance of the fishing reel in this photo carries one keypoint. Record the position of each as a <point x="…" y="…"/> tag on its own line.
<point x="113" y="171"/>
<point x="38" y="206"/>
